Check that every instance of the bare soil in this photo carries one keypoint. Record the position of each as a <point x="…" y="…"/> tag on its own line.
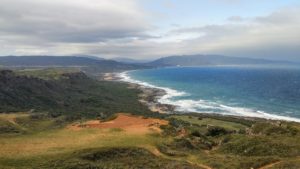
<point x="128" y="123"/>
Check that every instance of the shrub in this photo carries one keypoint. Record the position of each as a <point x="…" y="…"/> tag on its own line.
<point x="272" y="129"/>
<point x="122" y="157"/>
<point x="216" y="131"/>
<point x="259" y="146"/>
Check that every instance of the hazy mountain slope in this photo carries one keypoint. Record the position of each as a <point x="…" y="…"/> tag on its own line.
<point x="91" y="57"/>
<point x="129" y="60"/>
<point x="89" y="65"/>
<point x="47" y="61"/>
<point x="198" y="60"/>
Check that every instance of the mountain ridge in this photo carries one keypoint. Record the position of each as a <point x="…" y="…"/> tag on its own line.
<point x="46" y="60"/>
<point x="130" y="60"/>
<point x="87" y="64"/>
<point x="201" y="60"/>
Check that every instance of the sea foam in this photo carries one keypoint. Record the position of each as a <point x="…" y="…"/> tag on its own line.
<point x="203" y="106"/>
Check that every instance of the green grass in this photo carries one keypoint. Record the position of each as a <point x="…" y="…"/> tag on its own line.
<point x="64" y="140"/>
<point x="42" y="145"/>
<point x="48" y="73"/>
<point x="25" y="123"/>
<point x="287" y="164"/>
<point x="261" y="146"/>
<point x="229" y="143"/>
<point x="7" y="127"/>
<point x="73" y="94"/>
<point x="211" y="122"/>
<point x="118" y="157"/>
<point x="44" y="138"/>
<point x="265" y="128"/>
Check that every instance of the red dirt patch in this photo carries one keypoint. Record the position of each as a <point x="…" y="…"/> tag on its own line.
<point x="129" y="123"/>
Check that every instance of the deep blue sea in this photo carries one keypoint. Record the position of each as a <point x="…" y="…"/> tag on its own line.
<point x="267" y="92"/>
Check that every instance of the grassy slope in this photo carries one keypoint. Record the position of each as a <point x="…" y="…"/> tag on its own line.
<point x="48" y="73"/>
<point x="211" y="121"/>
<point x="72" y="94"/>
<point x="38" y="140"/>
<point x="261" y="144"/>
<point x="42" y="145"/>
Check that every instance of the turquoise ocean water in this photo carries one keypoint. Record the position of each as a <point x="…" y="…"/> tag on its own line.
<point x="266" y="92"/>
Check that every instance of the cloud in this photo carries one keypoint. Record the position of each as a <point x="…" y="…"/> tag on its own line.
<point x="115" y="28"/>
<point x="236" y="19"/>
<point x="266" y="36"/>
<point x="71" y="20"/>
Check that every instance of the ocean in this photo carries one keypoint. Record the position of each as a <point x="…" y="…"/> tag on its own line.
<point x="253" y="91"/>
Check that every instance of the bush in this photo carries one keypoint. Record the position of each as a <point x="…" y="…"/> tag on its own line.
<point x="126" y="157"/>
<point x="7" y="127"/>
<point x="196" y="134"/>
<point x="272" y="129"/>
<point x="216" y="131"/>
<point x="257" y="162"/>
<point x="259" y="146"/>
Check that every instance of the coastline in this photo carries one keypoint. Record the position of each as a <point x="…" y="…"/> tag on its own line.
<point x="149" y="95"/>
<point x="153" y="96"/>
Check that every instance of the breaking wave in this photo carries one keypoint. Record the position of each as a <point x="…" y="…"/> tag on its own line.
<point x="172" y="97"/>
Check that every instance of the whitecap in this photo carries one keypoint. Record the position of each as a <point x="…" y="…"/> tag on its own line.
<point x="204" y="106"/>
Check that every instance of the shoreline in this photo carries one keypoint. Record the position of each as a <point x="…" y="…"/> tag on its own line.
<point x="150" y="96"/>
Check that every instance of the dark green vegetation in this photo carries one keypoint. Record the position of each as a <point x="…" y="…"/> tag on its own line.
<point x="125" y="157"/>
<point x="24" y="123"/>
<point x="232" y="142"/>
<point x="38" y="107"/>
<point x="46" y="73"/>
<point x="70" y="94"/>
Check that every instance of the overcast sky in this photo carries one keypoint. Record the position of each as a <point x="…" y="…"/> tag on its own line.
<point x="143" y="29"/>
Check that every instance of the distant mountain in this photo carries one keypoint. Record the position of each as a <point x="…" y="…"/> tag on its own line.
<point x="129" y="60"/>
<point x="49" y="61"/>
<point x="200" y="60"/>
<point x="91" y="57"/>
<point x="89" y="64"/>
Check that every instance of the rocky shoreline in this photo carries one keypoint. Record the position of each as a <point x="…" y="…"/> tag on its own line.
<point x="149" y="96"/>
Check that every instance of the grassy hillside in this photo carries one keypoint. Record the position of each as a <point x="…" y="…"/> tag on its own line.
<point x="41" y="144"/>
<point x="50" y="119"/>
<point x="188" y="141"/>
<point x="72" y="94"/>
<point x="230" y="142"/>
